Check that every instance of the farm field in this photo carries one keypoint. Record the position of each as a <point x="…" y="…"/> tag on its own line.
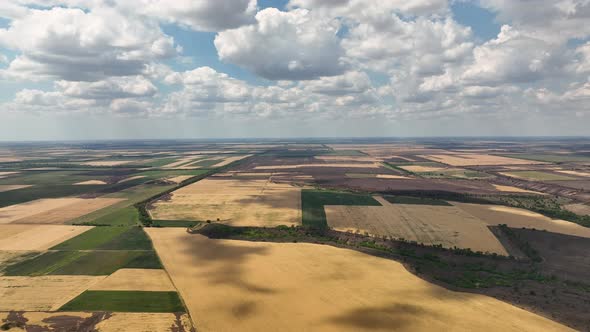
<point x="352" y="235"/>
<point x="237" y="202"/>
<point x="53" y="211"/>
<point x="476" y="159"/>
<point x="537" y="176"/>
<point x="518" y="218"/>
<point x="327" y="288"/>
<point x="100" y="321"/>
<point x="15" y="237"/>
<point x="429" y="224"/>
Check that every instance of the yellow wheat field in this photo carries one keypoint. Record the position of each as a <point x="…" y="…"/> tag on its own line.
<point x="36" y="237"/>
<point x="238" y="202"/>
<point x="578" y="173"/>
<point x="446" y="225"/>
<point x="308" y="287"/>
<point x="90" y="182"/>
<point x="153" y="280"/>
<point x="107" y="162"/>
<point x="513" y="217"/>
<point x="105" y="322"/>
<point x="53" y="210"/>
<point x="515" y="189"/>
<point x="41" y="293"/>
<point x="422" y="169"/>
<point x="9" y="187"/>
<point x="477" y="159"/>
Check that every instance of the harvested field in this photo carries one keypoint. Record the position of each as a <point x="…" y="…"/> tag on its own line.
<point x="90" y="182"/>
<point x="230" y="160"/>
<point x="343" y="165"/>
<point x="132" y="178"/>
<point x="9" y="187"/>
<point x="180" y="162"/>
<point x="421" y="169"/>
<point x="98" y="321"/>
<point x="518" y="218"/>
<point x="365" y="159"/>
<point x="41" y="293"/>
<point x="36" y="237"/>
<point x="53" y="210"/>
<point x="377" y="176"/>
<point x="500" y="187"/>
<point x="107" y="162"/>
<point x="578" y="208"/>
<point x="237" y="202"/>
<point x="477" y="160"/>
<point x="428" y="224"/>
<point x="576" y="173"/>
<point x="536" y="176"/>
<point x="229" y="283"/>
<point x="154" y="280"/>
<point x="178" y="179"/>
<point x="5" y="174"/>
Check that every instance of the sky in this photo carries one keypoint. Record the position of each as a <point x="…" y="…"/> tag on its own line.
<point x="138" y="69"/>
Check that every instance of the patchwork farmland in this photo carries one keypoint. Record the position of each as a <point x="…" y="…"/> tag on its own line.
<point x="207" y="236"/>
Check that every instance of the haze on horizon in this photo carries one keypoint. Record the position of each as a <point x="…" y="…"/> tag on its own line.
<point x="114" y="69"/>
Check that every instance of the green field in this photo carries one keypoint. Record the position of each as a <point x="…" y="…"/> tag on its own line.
<point x="313" y="201"/>
<point x="108" y="238"/>
<point x="416" y="200"/>
<point x="125" y="301"/>
<point x="552" y="158"/>
<point x="83" y="263"/>
<point x="174" y="223"/>
<point x="539" y="176"/>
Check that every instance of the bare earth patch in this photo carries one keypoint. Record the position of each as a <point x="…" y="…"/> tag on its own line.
<point x="41" y="293"/>
<point x="9" y="187"/>
<point x="307" y="287"/>
<point x="53" y="210"/>
<point x="446" y="225"/>
<point x="153" y="280"/>
<point x="36" y="237"/>
<point x="518" y="218"/>
<point x="238" y="202"/>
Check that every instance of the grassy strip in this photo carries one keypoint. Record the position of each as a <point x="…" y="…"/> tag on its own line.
<point x="108" y="238"/>
<point x="125" y="301"/>
<point x="416" y="200"/>
<point x="313" y="201"/>
<point x="83" y="263"/>
<point x="396" y="168"/>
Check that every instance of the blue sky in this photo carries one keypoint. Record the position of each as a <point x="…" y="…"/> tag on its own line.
<point x="126" y="69"/>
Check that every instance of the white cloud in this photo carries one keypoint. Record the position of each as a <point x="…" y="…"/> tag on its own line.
<point x="112" y="88"/>
<point x="74" y="45"/>
<point x="202" y="15"/>
<point x="291" y="45"/>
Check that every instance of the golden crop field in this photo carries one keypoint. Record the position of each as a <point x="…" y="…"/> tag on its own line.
<point x="477" y="159"/>
<point x="90" y="182"/>
<point x="518" y="218"/>
<point x="237" y="202"/>
<point x="261" y="286"/>
<point x="9" y="187"/>
<point x="343" y="165"/>
<point x="153" y="280"/>
<point x="41" y="293"/>
<point x="36" y="237"/>
<point x="446" y="225"/>
<point x="421" y="169"/>
<point x="103" y="321"/>
<point x="53" y="210"/>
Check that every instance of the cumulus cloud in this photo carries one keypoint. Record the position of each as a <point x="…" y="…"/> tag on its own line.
<point x="74" y="45"/>
<point x="292" y="45"/>
<point x="202" y="15"/>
